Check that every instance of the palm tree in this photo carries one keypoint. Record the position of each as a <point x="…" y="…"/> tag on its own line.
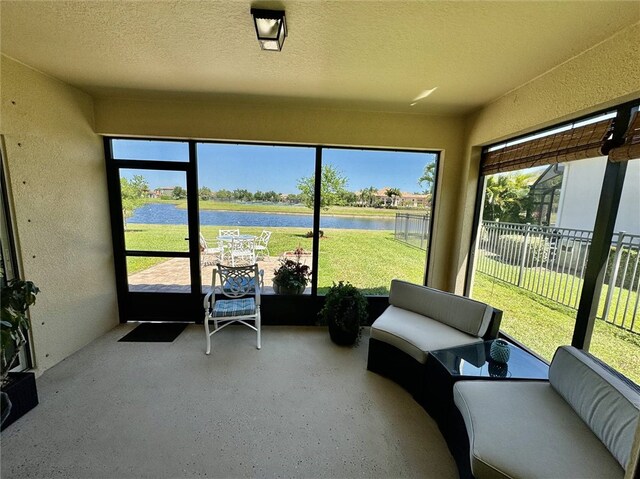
<point x="367" y="195"/>
<point x="428" y="177"/>
<point x="506" y="197"/>
<point x="394" y="194"/>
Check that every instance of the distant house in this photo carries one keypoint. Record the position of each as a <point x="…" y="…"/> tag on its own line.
<point x="406" y="200"/>
<point x="163" y="191"/>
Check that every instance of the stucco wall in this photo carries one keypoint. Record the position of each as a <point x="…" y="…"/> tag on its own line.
<point x="581" y="192"/>
<point x="57" y="180"/>
<point x="286" y="124"/>
<point x="606" y="75"/>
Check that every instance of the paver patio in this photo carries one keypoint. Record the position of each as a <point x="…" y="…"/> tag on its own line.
<point x="172" y="276"/>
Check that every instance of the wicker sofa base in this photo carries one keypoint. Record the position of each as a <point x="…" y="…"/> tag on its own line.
<point x="404" y="370"/>
<point x="390" y="362"/>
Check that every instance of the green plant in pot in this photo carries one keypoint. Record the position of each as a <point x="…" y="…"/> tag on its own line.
<point x="291" y="277"/>
<point x="17" y="296"/>
<point x="345" y="310"/>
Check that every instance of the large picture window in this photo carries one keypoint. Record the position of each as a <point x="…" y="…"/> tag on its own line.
<point x="538" y="223"/>
<point x="251" y="207"/>
<point x="183" y="206"/>
<point x="376" y="214"/>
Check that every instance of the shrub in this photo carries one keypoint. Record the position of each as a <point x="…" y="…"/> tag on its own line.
<point x="345" y="310"/>
<point x="629" y="278"/>
<point x="510" y="249"/>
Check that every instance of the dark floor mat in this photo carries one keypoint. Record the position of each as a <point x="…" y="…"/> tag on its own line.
<point x="154" y="333"/>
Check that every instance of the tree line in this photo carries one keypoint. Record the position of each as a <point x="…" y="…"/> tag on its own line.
<point x="334" y="192"/>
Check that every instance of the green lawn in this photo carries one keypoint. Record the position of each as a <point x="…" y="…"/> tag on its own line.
<point x="543" y="325"/>
<point x="368" y="259"/>
<point x="564" y="288"/>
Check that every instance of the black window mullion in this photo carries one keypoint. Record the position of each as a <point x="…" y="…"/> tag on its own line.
<point x="152" y="165"/>
<point x="193" y="219"/>
<point x="316" y="221"/>
<point x="432" y="214"/>
<point x="117" y="229"/>
<point x="606" y="216"/>
<point x="477" y="220"/>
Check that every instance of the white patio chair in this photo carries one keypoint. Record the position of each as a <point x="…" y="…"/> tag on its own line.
<point x="235" y="232"/>
<point x="235" y="283"/>
<point x="243" y="251"/>
<point x="262" y="243"/>
<point x="207" y="252"/>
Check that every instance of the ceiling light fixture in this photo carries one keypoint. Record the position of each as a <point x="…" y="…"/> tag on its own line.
<point x="271" y="28"/>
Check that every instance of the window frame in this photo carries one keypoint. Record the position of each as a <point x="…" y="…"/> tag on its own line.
<point x="136" y="306"/>
<point x="611" y="190"/>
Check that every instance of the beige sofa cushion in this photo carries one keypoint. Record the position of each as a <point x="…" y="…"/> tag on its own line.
<point x="464" y="314"/>
<point x="415" y="334"/>
<point x="520" y="429"/>
<point x="609" y="405"/>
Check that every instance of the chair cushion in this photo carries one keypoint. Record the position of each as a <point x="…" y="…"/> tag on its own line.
<point x="416" y="334"/>
<point x="241" y="284"/>
<point x="606" y="401"/>
<point x="525" y="429"/>
<point x="467" y="315"/>
<point x="234" y="307"/>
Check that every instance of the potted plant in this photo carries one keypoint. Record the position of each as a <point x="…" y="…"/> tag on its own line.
<point x="18" y="389"/>
<point x="292" y="276"/>
<point x="344" y="311"/>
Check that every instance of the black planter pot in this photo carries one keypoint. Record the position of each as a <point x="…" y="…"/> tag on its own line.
<point x="342" y="336"/>
<point x="23" y="395"/>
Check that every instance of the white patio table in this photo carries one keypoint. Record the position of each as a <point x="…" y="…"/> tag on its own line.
<point x="226" y="241"/>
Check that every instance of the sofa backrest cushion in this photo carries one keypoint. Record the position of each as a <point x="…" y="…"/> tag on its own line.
<point x="464" y="314"/>
<point x="605" y="400"/>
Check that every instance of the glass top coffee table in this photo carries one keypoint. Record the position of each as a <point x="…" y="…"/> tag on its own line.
<point x="473" y="361"/>
<point x="445" y="367"/>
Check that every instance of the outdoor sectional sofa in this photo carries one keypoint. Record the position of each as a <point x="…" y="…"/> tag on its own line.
<point x="581" y="423"/>
<point x="421" y="319"/>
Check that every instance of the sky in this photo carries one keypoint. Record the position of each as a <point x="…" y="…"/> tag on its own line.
<point x="277" y="168"/>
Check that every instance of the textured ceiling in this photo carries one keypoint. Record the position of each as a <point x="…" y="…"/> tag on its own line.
<point x="339" y="54"/>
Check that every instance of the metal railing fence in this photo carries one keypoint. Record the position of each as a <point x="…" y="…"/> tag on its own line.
<point x="551" y="262"/>
<point x="413" y="229"/>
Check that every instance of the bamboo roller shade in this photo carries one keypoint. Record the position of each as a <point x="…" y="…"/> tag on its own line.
<point x="630" y="150"/>
<point x="570" y="145"/>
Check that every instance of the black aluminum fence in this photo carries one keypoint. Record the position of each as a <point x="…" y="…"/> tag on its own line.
<point x="413" y="229"/>
<point x="551" y="262"/>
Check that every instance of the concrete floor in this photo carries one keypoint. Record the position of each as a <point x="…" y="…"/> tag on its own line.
<point x="300" y="407"/>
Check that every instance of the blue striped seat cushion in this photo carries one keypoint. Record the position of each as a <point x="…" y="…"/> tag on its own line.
<point x="234" y="307"/>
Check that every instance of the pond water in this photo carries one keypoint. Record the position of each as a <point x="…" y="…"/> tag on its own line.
<point x="157" y="213"/>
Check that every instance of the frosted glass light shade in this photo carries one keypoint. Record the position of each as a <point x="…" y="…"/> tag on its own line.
<point x="271" y="28"/>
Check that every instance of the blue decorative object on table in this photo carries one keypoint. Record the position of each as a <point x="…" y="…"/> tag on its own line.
<point x="500" y="351"/>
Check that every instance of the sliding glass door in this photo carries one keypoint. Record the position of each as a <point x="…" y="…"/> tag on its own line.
<point x="156" y="244"/>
